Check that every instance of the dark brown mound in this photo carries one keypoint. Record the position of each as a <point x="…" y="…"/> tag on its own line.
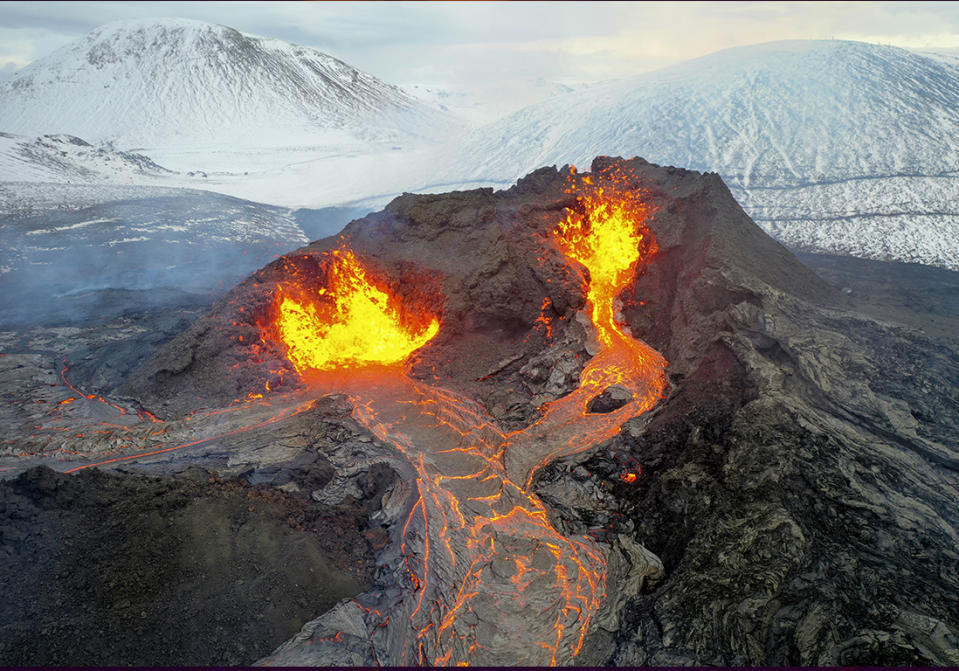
<point x="101" y="569"/>
<point x="483" y="262"/>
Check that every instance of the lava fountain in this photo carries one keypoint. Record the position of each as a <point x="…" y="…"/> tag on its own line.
<point x="608" y="239"/>
<point x="353" y="323"/>
<point x="488" y="580"/>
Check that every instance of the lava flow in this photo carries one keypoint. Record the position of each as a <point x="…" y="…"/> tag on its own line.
<point x="491" y="581"/>
<point x="354" y="323"/>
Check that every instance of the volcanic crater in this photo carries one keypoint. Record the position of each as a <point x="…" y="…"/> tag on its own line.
<point x="705" y="454"/>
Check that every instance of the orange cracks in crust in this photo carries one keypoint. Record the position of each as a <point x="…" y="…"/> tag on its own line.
<point x="472" y="515"/>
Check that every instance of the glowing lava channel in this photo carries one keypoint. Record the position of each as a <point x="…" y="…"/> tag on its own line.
<point x="492" y="582"/>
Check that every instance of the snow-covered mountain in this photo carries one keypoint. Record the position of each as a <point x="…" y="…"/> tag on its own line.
<point x="161" y="82"/>
<point x="216" y="109"/>
<point x="832" y="145"/>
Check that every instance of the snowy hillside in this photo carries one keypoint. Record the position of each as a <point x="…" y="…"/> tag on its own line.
<point x="69" y="159"/>
<point x="294" y="177"/>
<point x="179" y="103"/>
<point x="162" y="82"/>
<point x="831" y="145"/>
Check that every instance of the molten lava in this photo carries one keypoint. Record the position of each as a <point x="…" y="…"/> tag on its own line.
<point x="357" y="324"/>
<point x="483" y="538"/>
<point x="488" y="579"/>
<point x="608" y="239"/>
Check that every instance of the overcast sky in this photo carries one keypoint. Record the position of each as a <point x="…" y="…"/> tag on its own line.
<point x="466" y="45"/>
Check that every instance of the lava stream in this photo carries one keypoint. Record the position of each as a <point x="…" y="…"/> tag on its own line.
<point x="102" y="432"/>
<point x="492" y="581"/>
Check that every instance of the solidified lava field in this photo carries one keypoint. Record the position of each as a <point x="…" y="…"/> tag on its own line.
<point x="597" y="418"/>
<point x="101" y="568"/>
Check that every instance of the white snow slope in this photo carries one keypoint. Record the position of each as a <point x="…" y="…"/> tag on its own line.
<point x="212" y="108"/>
<point x="71" y="160"/>
<point x="162" y="82"/>
<point x="833" y="146"/>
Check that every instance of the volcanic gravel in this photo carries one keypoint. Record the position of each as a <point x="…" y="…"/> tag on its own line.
<point x="107" y="569"/>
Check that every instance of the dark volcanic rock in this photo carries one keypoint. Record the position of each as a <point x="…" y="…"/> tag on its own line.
<point x="484" y="263"/>
<point x="800" y="481"/>
<point x="612" y="398"/>
<point x="170" y="571"/>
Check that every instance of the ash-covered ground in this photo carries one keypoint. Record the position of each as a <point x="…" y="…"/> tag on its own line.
<point x="102" y="568"/>
<point x="792" y="499"/>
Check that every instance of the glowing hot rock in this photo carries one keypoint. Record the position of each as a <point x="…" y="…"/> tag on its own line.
<point x="357" y="324"/>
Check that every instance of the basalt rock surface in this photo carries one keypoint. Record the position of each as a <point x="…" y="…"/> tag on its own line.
<point x="792" y="500"/>
<point x="109" y="569"/>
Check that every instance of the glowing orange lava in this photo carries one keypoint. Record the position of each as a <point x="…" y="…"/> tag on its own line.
<point x="491" y="581"/>
<point x="608" y="239"/>
<point x="353" y="324"/>
<point x="482" y="536"/>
